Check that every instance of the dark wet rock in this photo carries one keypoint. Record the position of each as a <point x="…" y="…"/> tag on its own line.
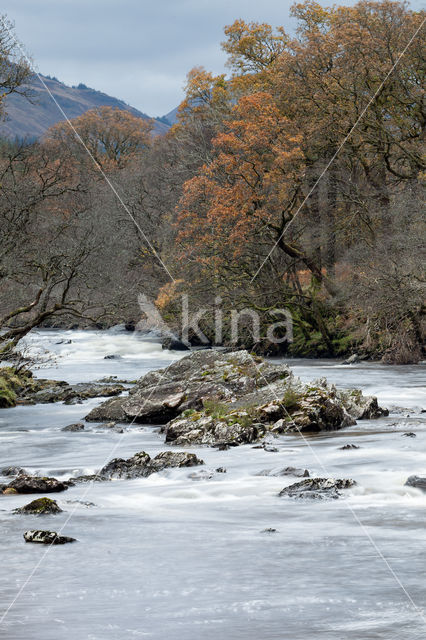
<point x="417" y="482"/>
<point x="40" y="506"/>
<point x="269" y="530"/>
<point x="141" y="465"/>
<point x="37" y="484"/>
<point x="12" y="471"/>
<point x="130" y="325"/>
<point x="46" y="537"/>
<point x="174" y="344"/>
<point x="77" y="426"/>
<point x="346" y="447"/>
<point x="221" y="470"/>
<point x="409" y="434"/>
<point x="317" y="488"/>
<point x="112" y="356"/>
<point x="287" y="471"/>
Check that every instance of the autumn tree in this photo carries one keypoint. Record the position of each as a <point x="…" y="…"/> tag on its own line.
<point x="112" y="136"/>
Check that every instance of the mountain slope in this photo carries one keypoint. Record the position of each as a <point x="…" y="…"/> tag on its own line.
<point x="171" y="117"/>
<point x="32" y="119"/>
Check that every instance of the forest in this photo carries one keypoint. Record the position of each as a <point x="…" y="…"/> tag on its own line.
<point x="293" y="181"/>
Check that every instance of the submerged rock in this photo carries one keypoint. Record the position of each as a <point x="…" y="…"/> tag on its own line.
<point x="346" y="447"/>
<point x="287" y="471"/>
<point x="40" y="506"/>
<point x="417" y="482"/>
<point x="141" y="465"/>
<point x="94" y="477"/>
<point x="77" y="426"/>
<point x="317" y="488"/>
<point x="46" y="537"/>
<point x="36" y="484"/>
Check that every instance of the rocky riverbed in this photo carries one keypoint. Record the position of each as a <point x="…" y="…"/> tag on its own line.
<point x="170" y="499"/>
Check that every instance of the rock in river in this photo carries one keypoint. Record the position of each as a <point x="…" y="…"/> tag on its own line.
<point x="77" y="426"/>
<point x="46" y="537"/>
<point x="36" y="484"/>
<point x="142" y="465"/>
<point x="228" y="398"/>
<point x="417" y="482"/>
<point x="40" y="506"/>
<point x="317" y="488"/>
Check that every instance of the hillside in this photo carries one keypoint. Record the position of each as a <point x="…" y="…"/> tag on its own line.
<point x="171" y="117"/>
<point x="30" y="119"/>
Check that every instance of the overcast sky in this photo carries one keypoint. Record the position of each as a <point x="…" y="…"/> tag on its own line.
<point x="136" y="50"/>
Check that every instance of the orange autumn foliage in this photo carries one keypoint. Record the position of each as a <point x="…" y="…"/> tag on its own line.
<point x="247" y="188"/>
<point x="113" y="136"/>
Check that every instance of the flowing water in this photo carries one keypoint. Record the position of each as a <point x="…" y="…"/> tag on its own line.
<point x="171" y="557"/>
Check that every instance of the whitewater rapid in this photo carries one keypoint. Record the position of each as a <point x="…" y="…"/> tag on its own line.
<point x="176" y="556"/>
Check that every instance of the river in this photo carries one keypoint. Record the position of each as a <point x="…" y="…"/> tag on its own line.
<point x="171" y="557"/>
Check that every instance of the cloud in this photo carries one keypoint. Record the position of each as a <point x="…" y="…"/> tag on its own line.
<point x="136" y="50"/>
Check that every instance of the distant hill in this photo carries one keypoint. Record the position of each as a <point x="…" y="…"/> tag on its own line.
<point x="31" y="119"/>
<point x="170" y="118"/>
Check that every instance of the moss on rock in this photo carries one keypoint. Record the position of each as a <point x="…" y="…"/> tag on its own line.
<point x="40" y="506"/>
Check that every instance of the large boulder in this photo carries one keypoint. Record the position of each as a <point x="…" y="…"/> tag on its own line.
<point x="46" y="537"/>
<point x="230" y="398"/>
<point x="162" y="395"/>
<point x="36" y="484"/>
<point x="317" y="488"/>
<point x="141" y="465"/>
